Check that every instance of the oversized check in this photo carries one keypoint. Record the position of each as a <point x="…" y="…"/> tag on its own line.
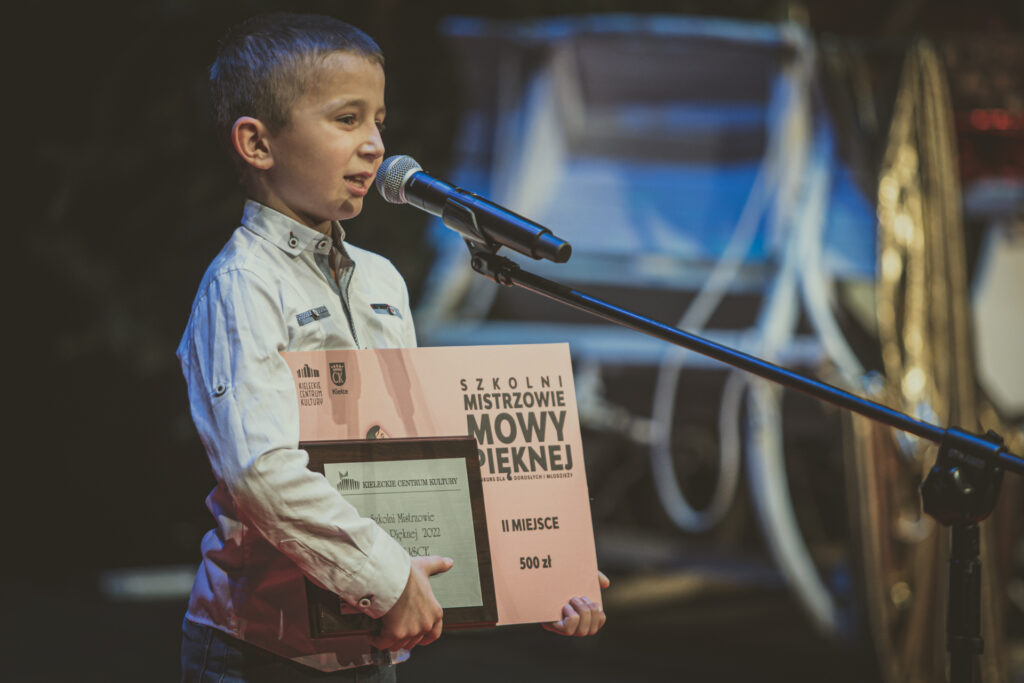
<point x="519" y="403"/>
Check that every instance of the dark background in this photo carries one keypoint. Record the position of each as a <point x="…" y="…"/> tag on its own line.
<point x="123" y="198"/>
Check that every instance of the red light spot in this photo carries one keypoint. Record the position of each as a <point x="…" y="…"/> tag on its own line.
<point x="1000" y="119"/>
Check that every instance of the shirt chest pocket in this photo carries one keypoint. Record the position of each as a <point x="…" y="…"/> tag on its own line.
<point x="307" y="328"/>
<point x="385" y="324"/>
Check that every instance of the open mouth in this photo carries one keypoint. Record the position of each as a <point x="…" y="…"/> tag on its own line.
<point x="360" y="183"/>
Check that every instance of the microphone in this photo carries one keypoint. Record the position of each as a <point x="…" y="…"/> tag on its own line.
<point x="401" y="180"/>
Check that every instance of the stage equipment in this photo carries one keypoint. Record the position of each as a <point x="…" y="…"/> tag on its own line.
<point x="960" y="491"/>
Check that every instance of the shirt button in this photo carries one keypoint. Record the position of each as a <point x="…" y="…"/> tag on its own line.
<point x="366" y="602"/>
<point x="292" y="242"/>
<point x="323" y="244"/>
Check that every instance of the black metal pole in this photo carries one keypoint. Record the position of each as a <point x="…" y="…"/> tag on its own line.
<point x="963" y="619"/>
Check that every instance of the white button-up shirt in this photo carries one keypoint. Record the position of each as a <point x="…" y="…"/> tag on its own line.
<point x="271" y="290"/>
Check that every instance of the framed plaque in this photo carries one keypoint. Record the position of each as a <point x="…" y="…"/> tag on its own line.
<point x="427" y="493"/>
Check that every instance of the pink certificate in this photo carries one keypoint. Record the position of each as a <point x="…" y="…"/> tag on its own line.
<point x="519" y="403"/>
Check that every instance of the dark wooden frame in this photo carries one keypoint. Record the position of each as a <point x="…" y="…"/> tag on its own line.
<point x="326" y="617"/>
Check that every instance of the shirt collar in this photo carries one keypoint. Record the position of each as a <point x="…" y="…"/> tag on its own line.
<point x="290" y="235"/>
<point x="338" y="235"/>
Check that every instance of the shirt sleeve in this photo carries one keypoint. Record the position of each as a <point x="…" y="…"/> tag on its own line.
<point x="243" y="402"/>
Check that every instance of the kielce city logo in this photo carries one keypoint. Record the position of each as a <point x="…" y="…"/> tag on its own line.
<point x="338" y="374"/>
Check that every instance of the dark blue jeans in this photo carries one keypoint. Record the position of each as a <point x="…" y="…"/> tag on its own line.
<point x="209" y="655"/>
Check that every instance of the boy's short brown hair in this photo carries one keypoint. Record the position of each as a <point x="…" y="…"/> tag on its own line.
<point x="264" y="64"/>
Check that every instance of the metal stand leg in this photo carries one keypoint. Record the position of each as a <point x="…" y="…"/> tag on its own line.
<point x="963" y="620"/>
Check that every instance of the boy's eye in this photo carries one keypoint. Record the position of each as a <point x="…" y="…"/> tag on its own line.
<point x="347" y="119"/>
<point x="381" y="126"/>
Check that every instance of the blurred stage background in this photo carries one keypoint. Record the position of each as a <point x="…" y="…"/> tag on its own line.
<point x="839" y="186"/>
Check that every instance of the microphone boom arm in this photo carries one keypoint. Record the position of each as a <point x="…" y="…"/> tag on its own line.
<point x="507" y="272"/>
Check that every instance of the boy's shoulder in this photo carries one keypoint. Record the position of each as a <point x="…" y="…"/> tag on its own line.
<point x="262" y="244"/>
<point x="241" y="256"/>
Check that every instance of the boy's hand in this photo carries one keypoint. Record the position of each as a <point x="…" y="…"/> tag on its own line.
<point x="580" y="616"/>
<point x="416" y="618"/>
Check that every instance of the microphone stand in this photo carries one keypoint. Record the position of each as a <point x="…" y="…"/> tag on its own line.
<point x="959" y="492"/>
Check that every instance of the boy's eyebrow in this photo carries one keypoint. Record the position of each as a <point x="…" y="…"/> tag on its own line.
<point x="357" y="102"/>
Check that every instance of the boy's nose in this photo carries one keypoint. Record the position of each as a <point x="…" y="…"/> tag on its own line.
<point x="374" y="145"/>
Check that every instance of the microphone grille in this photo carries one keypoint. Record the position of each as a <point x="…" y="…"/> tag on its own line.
<point x="392" y="176"/>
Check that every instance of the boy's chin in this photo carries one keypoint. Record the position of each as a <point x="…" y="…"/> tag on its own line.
<point x="350" y="209"/>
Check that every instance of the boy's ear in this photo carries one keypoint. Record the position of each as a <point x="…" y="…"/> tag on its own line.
<point x="251" y="141"/>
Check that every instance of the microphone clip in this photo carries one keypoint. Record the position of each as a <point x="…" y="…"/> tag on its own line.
<point x="485" y="260"/>
<point x="483" y="250"/>
<point x="461" y="219"/>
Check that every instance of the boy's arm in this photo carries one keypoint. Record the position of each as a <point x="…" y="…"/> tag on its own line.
<point x="244" y="405"/>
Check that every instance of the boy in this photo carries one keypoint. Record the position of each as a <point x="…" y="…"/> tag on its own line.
<point x="300" y="100"/>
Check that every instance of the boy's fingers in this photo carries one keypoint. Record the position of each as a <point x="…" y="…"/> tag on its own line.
<point x="597" y="617"/>
<point x="569" y="613"/>
<point x="407" y="644"/>
<point x="582" y="607"/>
<point x="434" y="633"/>
<point x="435" y="564"/>
<point x="382" y="642"/>
<point x="568" y="624"/>
<point x="601" y="619"/>
<point x="602" y="580"/>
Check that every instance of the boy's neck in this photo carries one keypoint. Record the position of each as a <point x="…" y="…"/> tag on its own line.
<point x="259" y="193"/>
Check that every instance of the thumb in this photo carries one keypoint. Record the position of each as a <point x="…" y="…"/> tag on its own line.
<point x="433" y="564"/>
